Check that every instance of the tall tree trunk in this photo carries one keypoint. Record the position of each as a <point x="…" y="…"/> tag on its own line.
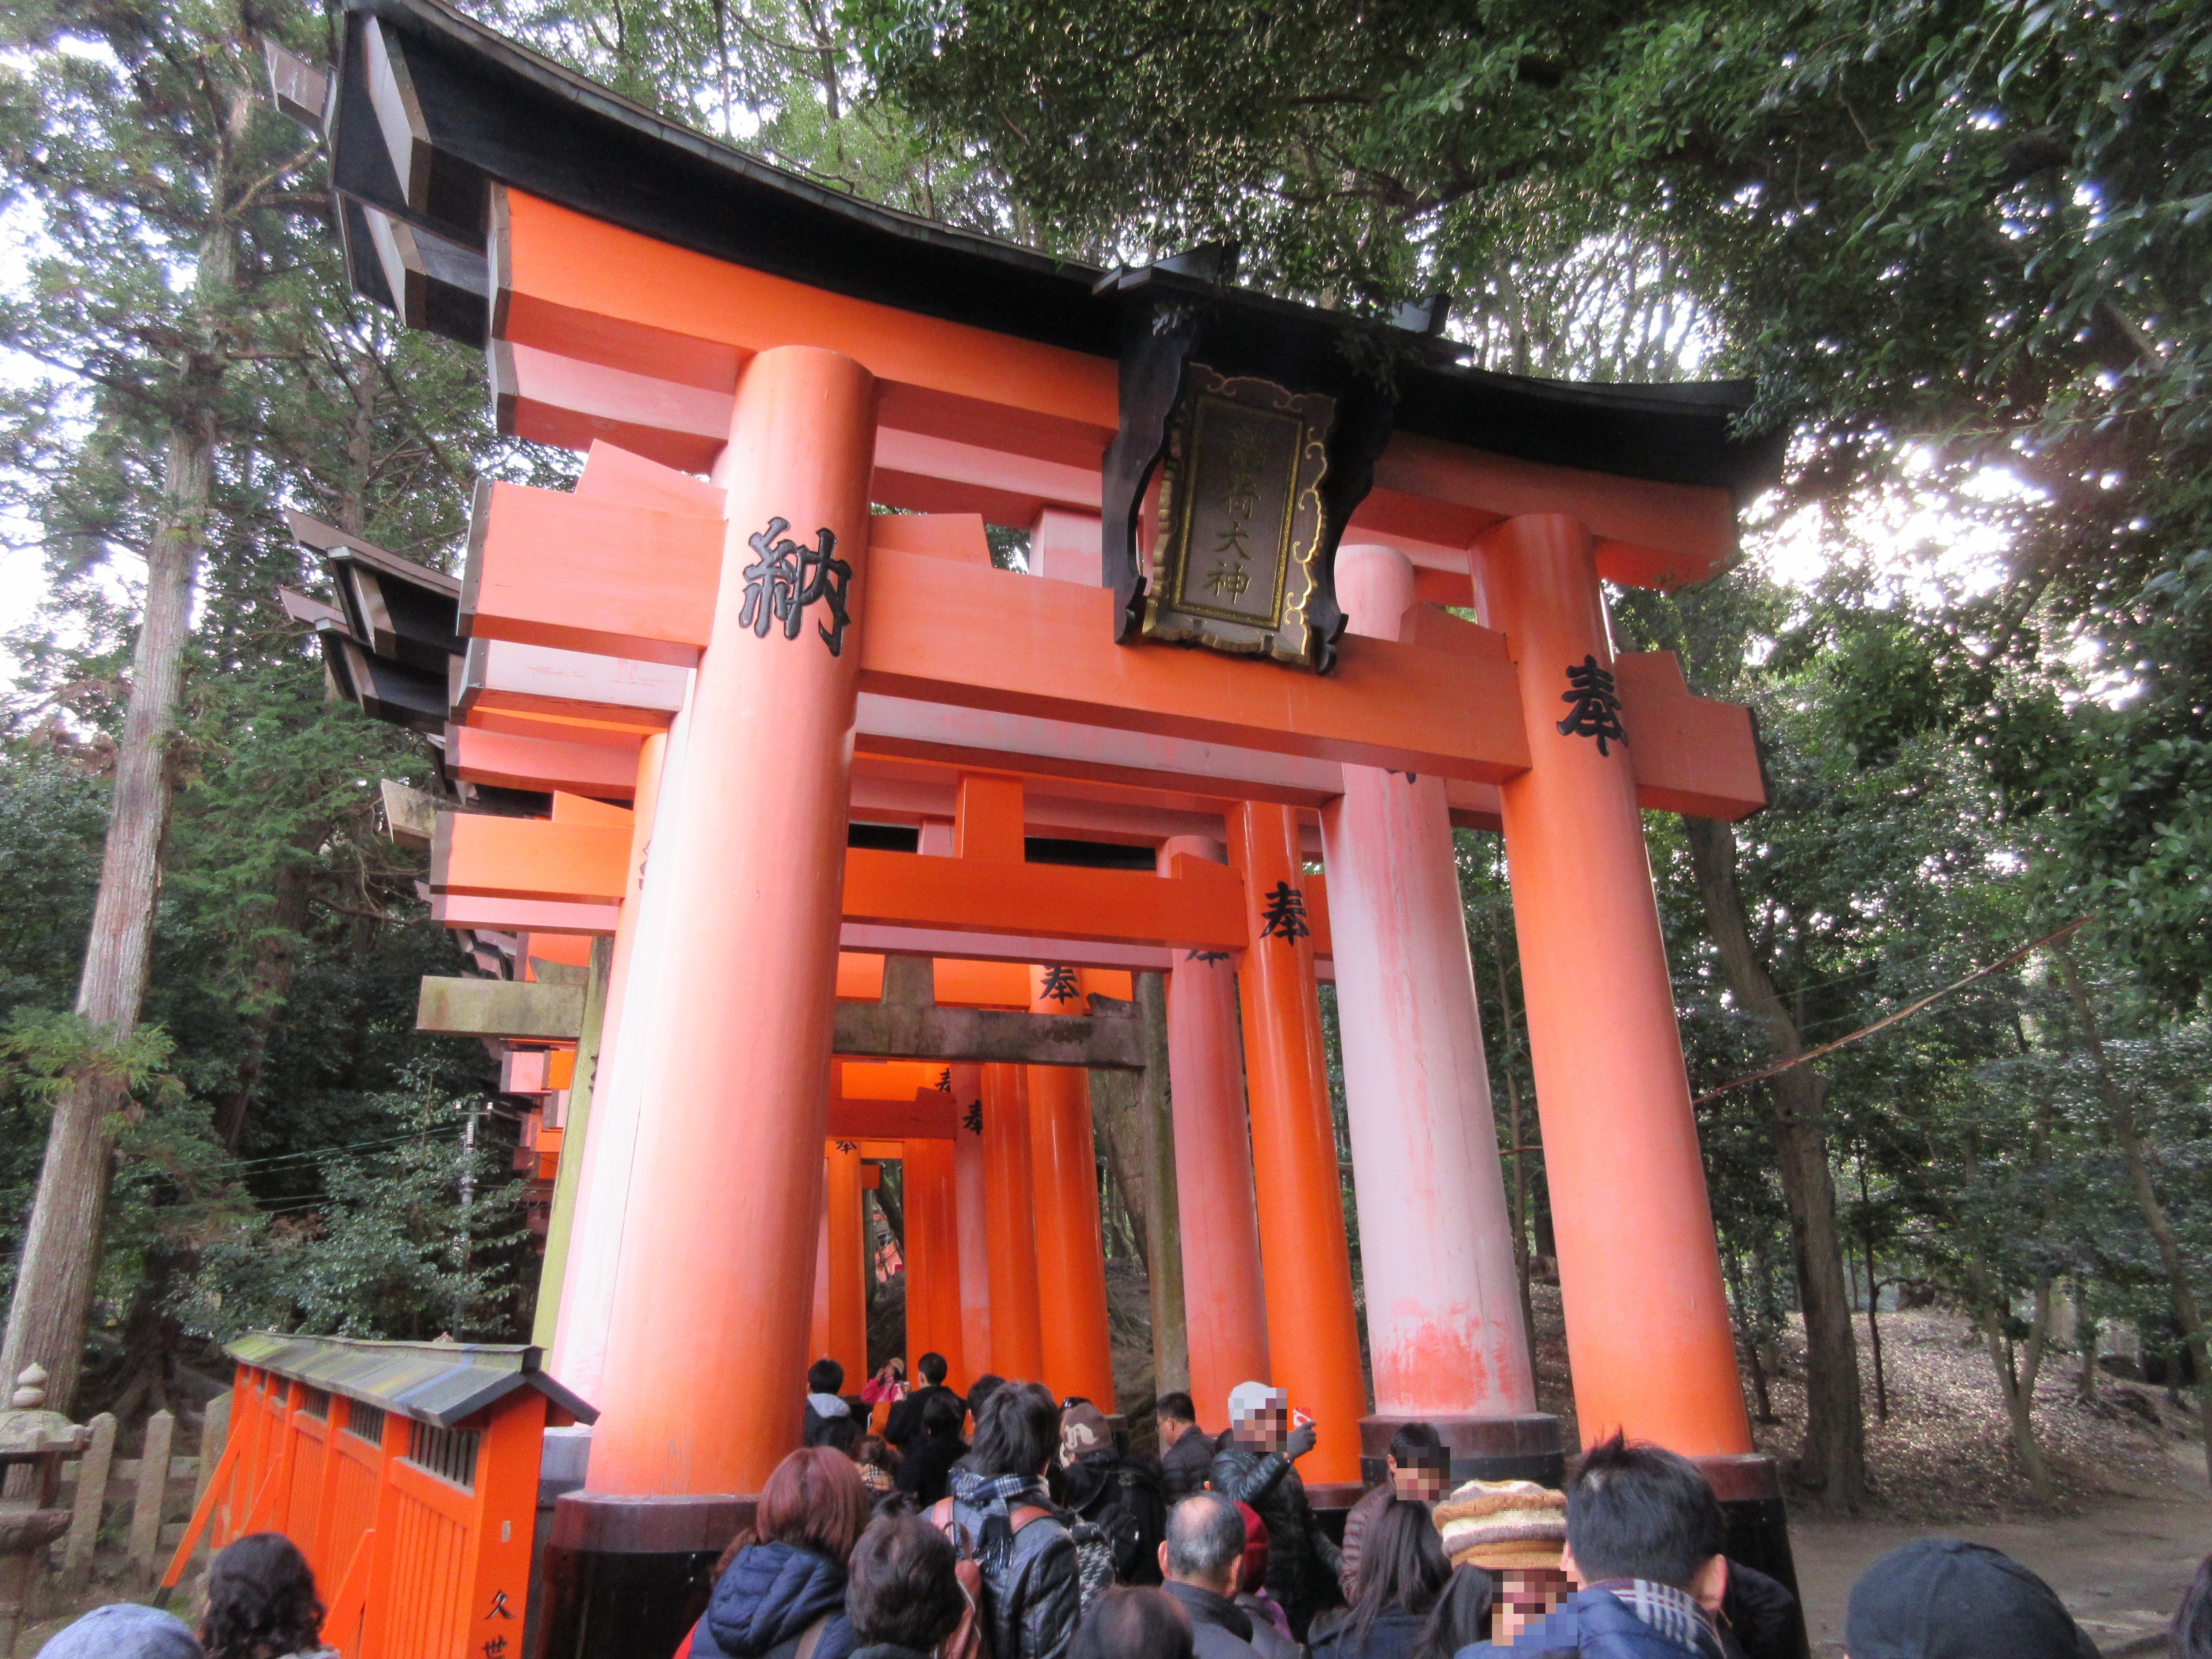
<point x="1163" y="1213"/>
<point x="2120" y="1116"/>
<point x="1833" y="1460"/>
<point x="2017" y="1370"/>
<point x="52" y="1303"/>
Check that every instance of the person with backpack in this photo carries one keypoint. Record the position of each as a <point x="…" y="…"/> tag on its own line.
<point x="1118" y="1495"/>
<point x="1000" y="1516"/>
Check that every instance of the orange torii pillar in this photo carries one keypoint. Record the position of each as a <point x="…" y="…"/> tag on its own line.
<point x="1071" y="1254"/>
<point x="733" y="1052"/>
<point x="577" y="1339"/>
<point x="839" y="1328"/>
<point x="933" y="1257"/>
<point x="1313" y="1334"/>
<point x="1224" y="1304"/>
<point x="1444" y="1329"/>
<point x="972" y="1205"/>
<point x="1648" y="1332"/>
<point x="1009" y="1219"/>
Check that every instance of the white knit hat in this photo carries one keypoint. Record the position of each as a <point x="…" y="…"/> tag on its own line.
<point x="1249" y="1399"/>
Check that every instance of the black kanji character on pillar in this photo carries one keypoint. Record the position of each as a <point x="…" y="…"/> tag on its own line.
<point x="499" y="1608"/>
<point x="1208" y="956"/>
<point x="945" y="1079"/>
<point x="849" y="1145"/>
<point x="496" y="1647"/>
<point x="787" y="577"/>
<point x="1058" y="985"/>
<point x="972" y="1119"/>
<point x="1596" y="711"/>
<point x="1285" y="915"/>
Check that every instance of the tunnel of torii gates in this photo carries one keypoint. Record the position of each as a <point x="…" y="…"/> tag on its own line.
<point x="813" y="834"/>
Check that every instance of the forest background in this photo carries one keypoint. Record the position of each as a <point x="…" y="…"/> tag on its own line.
<point x="1964" y="249"/>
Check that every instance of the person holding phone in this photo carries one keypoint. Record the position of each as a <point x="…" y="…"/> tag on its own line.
<point x="1255" y="1465"/>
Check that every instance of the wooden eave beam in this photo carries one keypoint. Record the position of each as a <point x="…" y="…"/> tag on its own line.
<point x="500" y="1008"/>
<point x="898" y="1031"/>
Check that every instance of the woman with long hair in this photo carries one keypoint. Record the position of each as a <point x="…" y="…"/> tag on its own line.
<point x="1461" y="1616"/>
<point x="782" y="1594"/>
<point x="262" y="1602"/>
<point x="1402" y="1574"/>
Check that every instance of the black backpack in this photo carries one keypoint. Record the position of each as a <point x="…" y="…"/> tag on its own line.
<point x="1130" y="1510"/>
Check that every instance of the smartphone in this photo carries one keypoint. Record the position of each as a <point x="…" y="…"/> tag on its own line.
<point x="1299" y="1419"/>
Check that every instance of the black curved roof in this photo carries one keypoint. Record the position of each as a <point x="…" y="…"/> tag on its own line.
<point x="492" y="110"/>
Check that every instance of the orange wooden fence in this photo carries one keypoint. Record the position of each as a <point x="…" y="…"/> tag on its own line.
<point x="406" y="1472"/>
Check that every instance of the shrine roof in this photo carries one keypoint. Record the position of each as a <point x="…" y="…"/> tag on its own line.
<point x="466" y="107"/>
<point x="442" y="1384"/>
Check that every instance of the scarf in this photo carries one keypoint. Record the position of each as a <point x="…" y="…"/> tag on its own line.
<point x="994" y="1497"/>
<point x="1673" y="1612"/>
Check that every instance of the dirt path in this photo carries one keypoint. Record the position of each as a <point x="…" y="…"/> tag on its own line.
<point x="2120" y="1565"/>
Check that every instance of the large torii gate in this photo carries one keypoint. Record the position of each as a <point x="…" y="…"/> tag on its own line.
<point x="758" y="658"/>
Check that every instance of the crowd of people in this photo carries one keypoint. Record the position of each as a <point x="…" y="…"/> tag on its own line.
<point x="1010" y="1525"/>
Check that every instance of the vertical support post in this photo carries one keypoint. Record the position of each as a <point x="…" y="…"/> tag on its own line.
<point x="1071" y="1257"/>
<point x="1435" y="1244"/>
<point x="933" y="1258"/>
<point x="849" y="1265"/>
<point x="1225" y="1301"/>
<point x="818" y="1330"/>
<point x="733" y="1051"/>
<point x="153" y="1488"/>
<point x="215" y="1434"/>
<point x="972" y="1209"/>
<point x="601" y="1140"/>
<point x="1647" y="1320"/>
<point x="1163" y="1209"/>
<point x="91" y="1498"/>
<point x="568" y="1176"/>
<point x="1017" y="1339"/>
<point x="1312" y="1334"/>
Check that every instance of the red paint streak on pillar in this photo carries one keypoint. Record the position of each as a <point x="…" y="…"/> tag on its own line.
<point x="1435" y="1244"/>
<point x="1647" y="1324"/>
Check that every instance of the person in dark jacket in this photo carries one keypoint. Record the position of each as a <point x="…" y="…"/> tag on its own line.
<point x="1644" y="1541"/>
<point x="1120" y="1496"/>
<point x="1032" y="1588"/>
<point x="1199" y="1558"/>
<point x="926" y="1470"/>
<point x="1942" y="1598"/>
<point x="824" y="1405"/>
<point x="1253" y="1465"/>
<point x="1416" y="1467"/>
<point x="900" y="1594"/>
<point x="787" y="1577"/>
<point x="1758" y="1617"/>
<point x="1133" y="1622"/>
<point x="1400" y="1584"/>
<point x="1185" y="1450"/>
<point x="904" y="1424"/>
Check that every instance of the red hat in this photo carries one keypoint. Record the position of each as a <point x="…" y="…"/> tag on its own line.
<point x="1252" y="1572"/>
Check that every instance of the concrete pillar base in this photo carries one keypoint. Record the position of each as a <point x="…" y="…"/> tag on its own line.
<point x="629" y="1576"/>
<point x="1528" y="1447"/>
<point x="1750" y="1490"/>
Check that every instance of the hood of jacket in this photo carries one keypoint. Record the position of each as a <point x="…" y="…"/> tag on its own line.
<point x="771" y="1593"/>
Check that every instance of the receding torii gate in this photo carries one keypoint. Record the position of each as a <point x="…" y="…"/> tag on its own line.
<point x="751" y="657"/>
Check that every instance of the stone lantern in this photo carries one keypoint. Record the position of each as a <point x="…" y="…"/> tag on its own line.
<point x="34" y="1443"/>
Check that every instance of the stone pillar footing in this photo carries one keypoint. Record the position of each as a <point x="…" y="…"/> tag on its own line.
<point x="1524" y="1448"/>
<point x="1750" y="1490"/>
<point x="629" y="1576"/>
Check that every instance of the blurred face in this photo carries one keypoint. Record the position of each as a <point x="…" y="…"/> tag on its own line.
<point x="1423" y="1481"/>
<point x="1267" y="1428"/>
<point x="1525" y="1594"/>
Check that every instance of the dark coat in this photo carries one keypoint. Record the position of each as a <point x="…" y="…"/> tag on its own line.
<point x="1759" y="1615"/>
<point x="925" y="1467"/>
<point x="766" y="1600"/>
<point x="1189" y="1461"/>
<point x="903" y="1423"/>
<point x="1393" y="1635"/>
<point x="1267" y="1639"/>
<point x="1302" y="1562"/>
<point x="1594" y="1625"/>
<point x="1034" y="1600"/>
<point x="1221" y="1628"/>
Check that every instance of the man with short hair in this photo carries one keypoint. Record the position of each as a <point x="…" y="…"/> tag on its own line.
<point x="1644" y="1541"/>
<point x="1254" y="1464"/>
<point x="1185" y="1450"/>
<point x="1204" y="1549"/>
<point x="904" y="1424"/>
<point x="824" y="1405"/>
